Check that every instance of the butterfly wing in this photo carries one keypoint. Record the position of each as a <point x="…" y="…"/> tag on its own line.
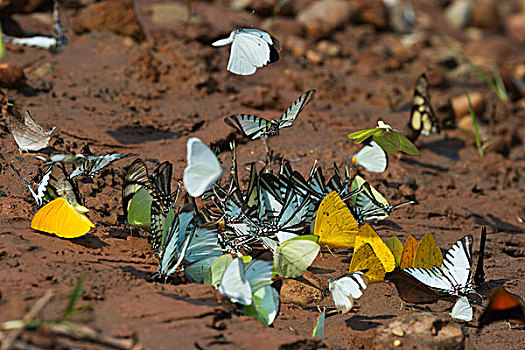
<point x="371" y="157"/>
<point x="428" y="253"/>
<point x="60" y="218"/>
<point x="409" y="252"/>
<point x="139" y="211"/>
<point x="396" y="247"/>
<point x="459" y="255"/>
<point x="203" y="168"/>
<point x="345" y="289"/>
<point x="293" y="111"/>
<point x="250" y="125"/>
<point x="368" y="235"/>
<point x="92" y="165"/>
<point x="462" y="310"/>
<point x="294" y="256"/>
<point x="234" y="284"/>
<point x="250" y="50"/>
<point x="29" y="136"/>
<point x="258" y="273"/>
<point x="422" y="117"/>
<point x="136" y="178"/>
<point x="334" y="224"/>
<point x="364" y="258"/>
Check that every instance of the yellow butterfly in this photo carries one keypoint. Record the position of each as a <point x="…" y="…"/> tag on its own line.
<point x="409" y="252"/>
<point x="364" y="258"/>
<point x="62" y="219"/>
<point x="396" y="247"/>
<point x="368" y="235"/>
<point x="334" y="224"/>
<point x="428" y="253"/>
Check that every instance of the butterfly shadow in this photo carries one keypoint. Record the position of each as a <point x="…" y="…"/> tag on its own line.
<point x="448" y="147"/>
<point x="425" y="165"/>
<point x="135" y="134"/>
<point x="364" y="323"/>
<point x="486" y="288"/>
<point x="497" y="224"/>
<point x="189" y="300"/>
<point x="89" y="241"/>
<point x="388" y="224"/>
<point x="319" y="270"/>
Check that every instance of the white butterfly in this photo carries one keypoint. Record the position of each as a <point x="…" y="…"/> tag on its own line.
<point x="462" y="310"/>
<point x="251" y="49"/>
<point x="239" y="283"/>
<point x="453" y="276"/>
<point x="371" y="157"/>
<point x="203" y="169"/>
<point x="345" y="289"/>
<point x="29" y="136"/>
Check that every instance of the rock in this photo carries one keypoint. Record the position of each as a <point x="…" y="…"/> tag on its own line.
<point x="265" y="8"/>
<point x="297" y="45"/>
<point x="515" y="27"/>
<point x="400" y="14"/>
<point x="168" y="14"/>
<point x="304" y="290"/>
<point x="371" y="12"/>
<point x="11" y="76"/>
<point x="485" y="15"/>
<point x="117" y="16"/>
<point x="420" y="331"/>
<point x="148" y="66"/>
<point x="329" y="48"/>
<point x="314" y="57"/>
<point x="458" y="13"/>
<point x="321" y="18"/>
<point x="460" y="104"/>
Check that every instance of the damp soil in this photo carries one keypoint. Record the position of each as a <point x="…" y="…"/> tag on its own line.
<point x="114" y="94"/>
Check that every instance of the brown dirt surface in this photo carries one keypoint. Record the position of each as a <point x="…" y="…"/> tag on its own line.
<point x="115" y="94"/>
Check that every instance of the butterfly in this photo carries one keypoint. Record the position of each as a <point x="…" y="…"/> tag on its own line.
<point x="368" y="235"/>
<point x="334" y="224"/>
<point x="54" y="44"/>
<point x="318" y="330"/>
<point x="371" y="157"/>
<point x="479" y="274"/>
<point x="422" y="117"/>
<point x="409" y="252"/>
<point x="139" y="209"/>
<point x="255" y="127"/>
<point x="239" y="282"/>
<point x="62" y="219"/>
<point x="462" y="310"/>
<point x="251" y="49"/>
<point x="92" y="165"/>
<point x="396" y="247"/>
<point x="203" y="169"/>
<point x="364" y="258"/>
<point x="428" y="253"/>
<point x="453" y="277"/>
<point x="29" y="136"/>
<point x="294" y="255"/>
<point x="264" y="306"/>
<point x="347" y="288"/>
<point x="502" y="306"/>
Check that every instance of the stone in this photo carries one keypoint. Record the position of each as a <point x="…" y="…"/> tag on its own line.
<point x="485" y="15"/>
<point x="460" y="104"/>
<point x="304" y="290"/>
<point x="11" y="76"/>
<point x="321" y="18"/>
<point x="458" y="13"/>
<point x="117" y="16"/>
<point x="515" y="27"/>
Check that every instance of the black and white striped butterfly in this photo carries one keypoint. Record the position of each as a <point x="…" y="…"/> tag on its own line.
<point x="55" y="44"/>
<point x="92" y="165"/>
<point x="453" y="277"/>
<point x="423" y="120"/>
<point x="255" y="127"/>
<point x="251" y="49"/>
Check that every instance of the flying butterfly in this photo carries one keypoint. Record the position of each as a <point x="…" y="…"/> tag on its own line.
<point x="28" y="135"/>
<point x="423" y="120"/>
<point x="371" y="157"/>
<point x="55" y="44"/>
<point x="347" y="288"/>
<point x="255" y="127"/>
<point x="251" y="49"/>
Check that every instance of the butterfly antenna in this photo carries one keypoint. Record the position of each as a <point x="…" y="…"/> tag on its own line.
<point x="479" y="275"/>
<point x="247" y="18"/>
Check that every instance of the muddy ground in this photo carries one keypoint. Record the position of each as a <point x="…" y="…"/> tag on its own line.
<point x="146" y="95"/>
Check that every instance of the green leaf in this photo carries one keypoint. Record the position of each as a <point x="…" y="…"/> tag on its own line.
<point x="213" y="278"/>
<point x="406" y="146"/>
<point x="319" y="326"/>
<point x="265" y="305"/>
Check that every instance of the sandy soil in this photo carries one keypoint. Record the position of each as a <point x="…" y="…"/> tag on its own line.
<point x="118" y="95"/>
